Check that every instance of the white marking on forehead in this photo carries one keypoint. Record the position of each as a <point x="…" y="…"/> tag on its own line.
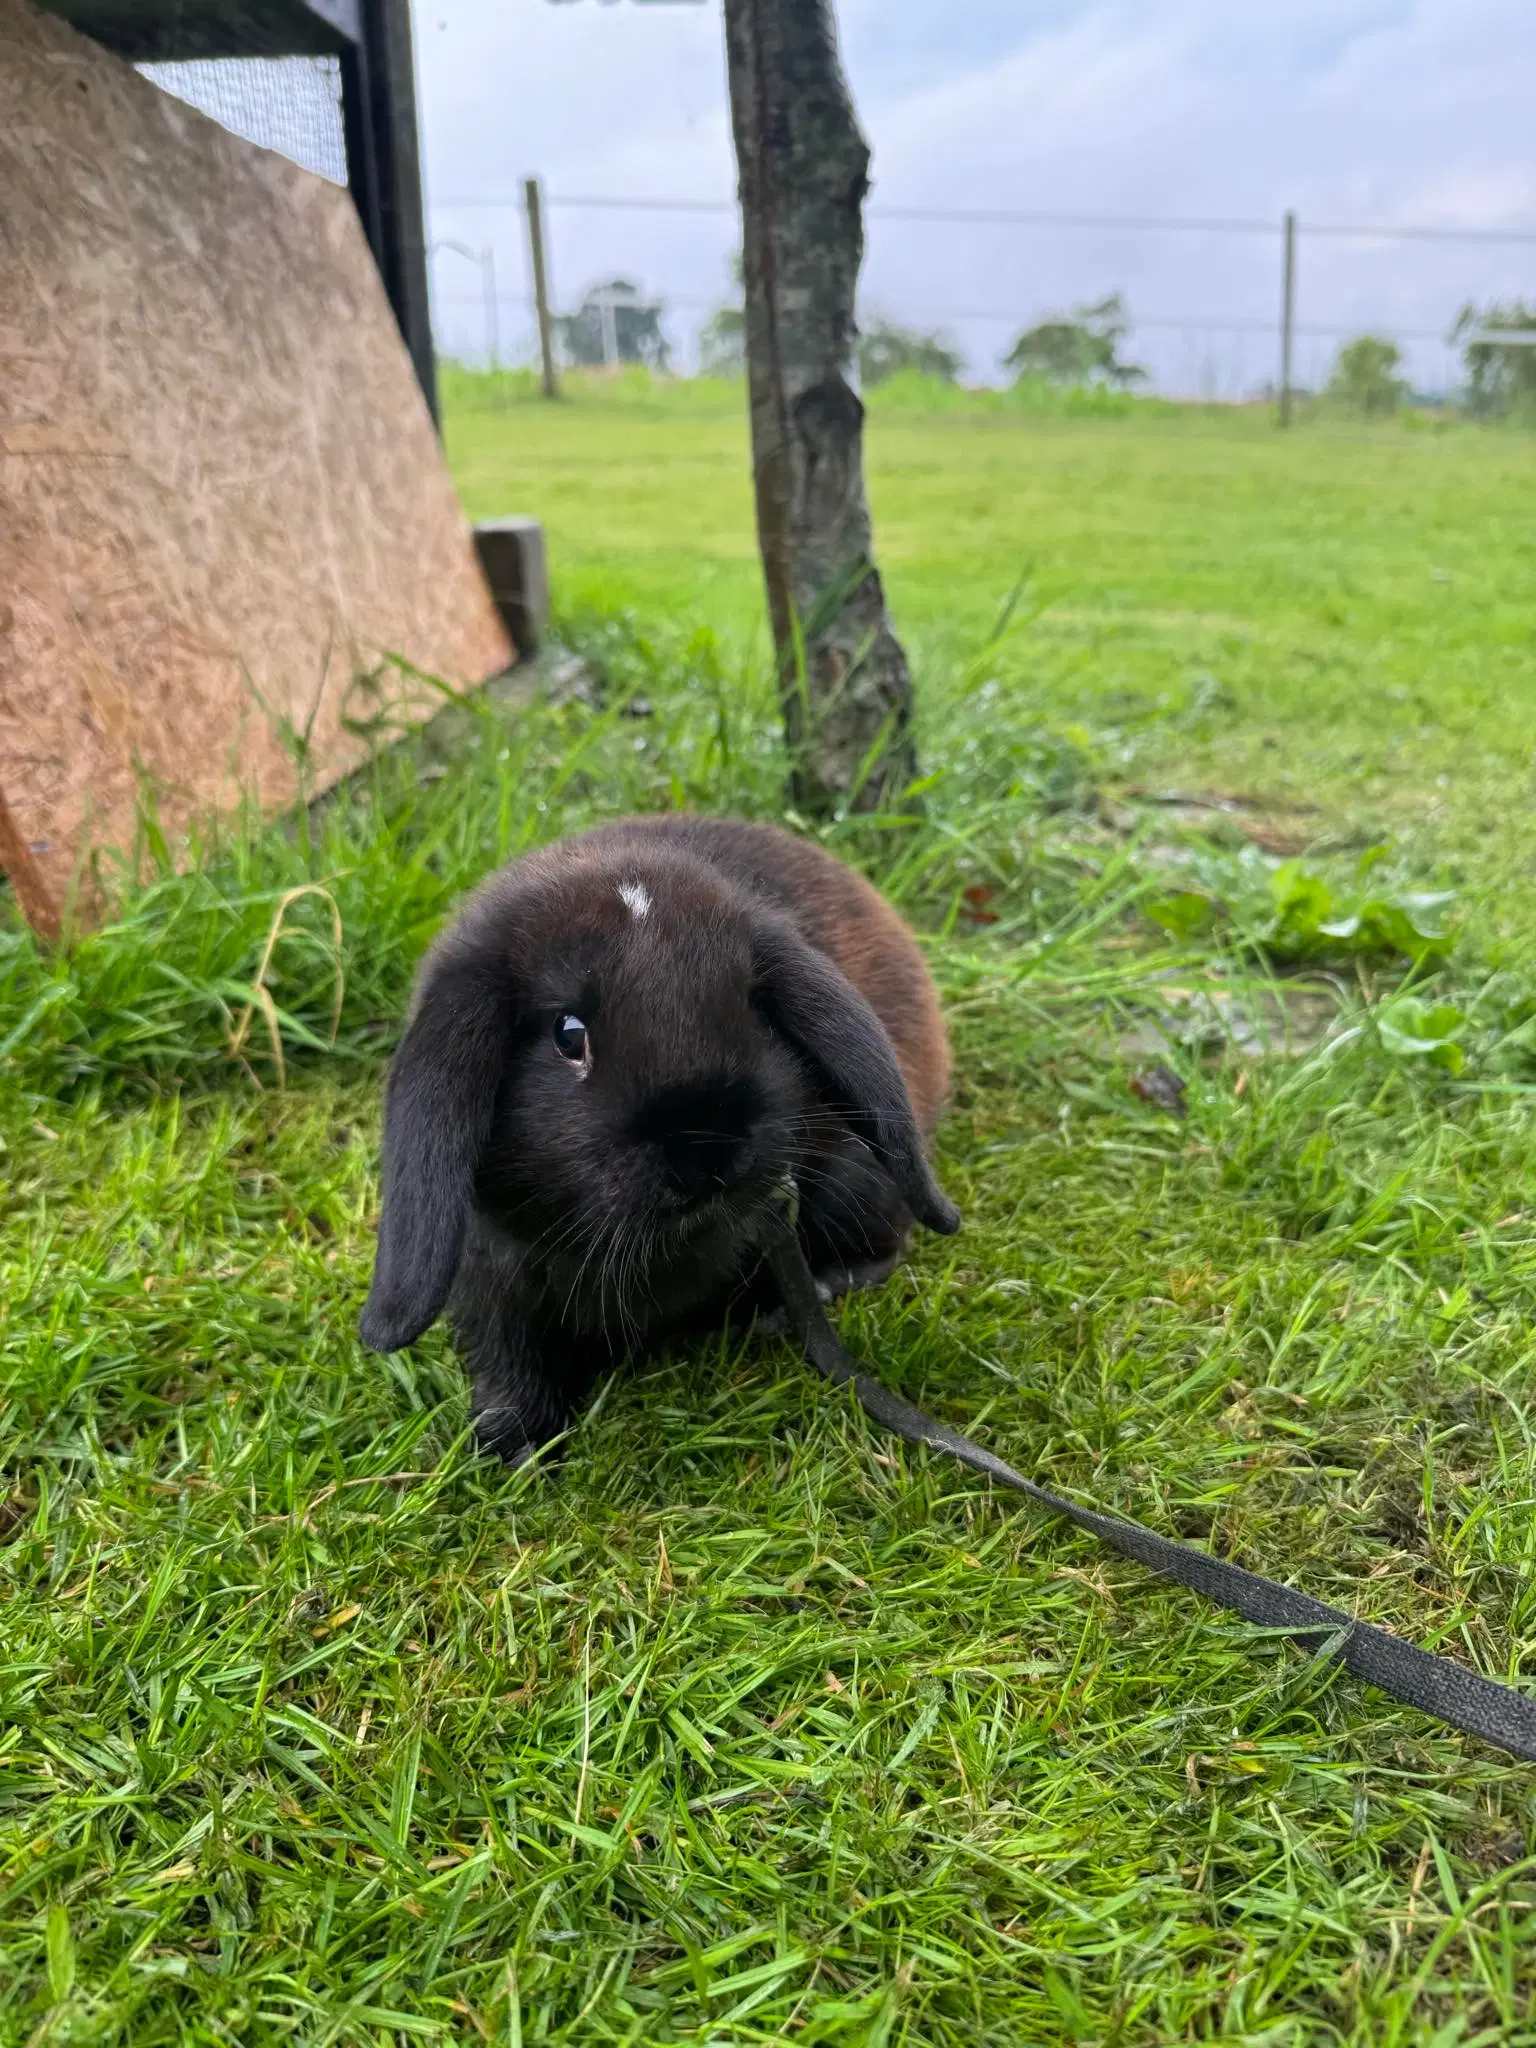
<point x="637" y="896"/>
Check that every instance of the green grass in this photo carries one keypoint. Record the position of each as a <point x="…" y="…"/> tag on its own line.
<point x="1341" y="616"/>
<point x="745" y="1724"/>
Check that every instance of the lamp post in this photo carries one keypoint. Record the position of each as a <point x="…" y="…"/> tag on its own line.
<point x="485" y="259"/>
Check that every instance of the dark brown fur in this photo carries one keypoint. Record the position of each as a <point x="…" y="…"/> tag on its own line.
<point x="763" y="1013"/>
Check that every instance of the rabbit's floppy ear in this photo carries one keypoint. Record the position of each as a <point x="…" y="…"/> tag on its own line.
<point x="438" y="1111"/>
<point x="818" y="1008"/>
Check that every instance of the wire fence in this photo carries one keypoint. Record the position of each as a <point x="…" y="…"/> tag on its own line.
<point x="1203" y="292"/>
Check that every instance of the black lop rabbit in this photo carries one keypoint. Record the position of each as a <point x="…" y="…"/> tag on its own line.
<point x="613" y="1060"/>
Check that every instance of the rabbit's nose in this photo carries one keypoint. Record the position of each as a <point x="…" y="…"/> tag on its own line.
<point x="701" y="1163"/>
<point x="704" y="1133"/>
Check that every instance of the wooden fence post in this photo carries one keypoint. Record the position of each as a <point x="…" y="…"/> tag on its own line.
<point x="534" y="207"/>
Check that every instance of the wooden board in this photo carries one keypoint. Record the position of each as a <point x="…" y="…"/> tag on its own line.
<point x="226" y="527"/>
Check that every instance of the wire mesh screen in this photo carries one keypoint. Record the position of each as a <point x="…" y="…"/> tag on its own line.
<point x="289" y="104"/>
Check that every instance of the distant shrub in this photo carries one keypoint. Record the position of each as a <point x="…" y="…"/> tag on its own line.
<point x="910" y="391"/>
<point x="886" y="350"/>
<point x="723" y="337"/>
<point x="1077" y="348"/>
<point x="919" y="391"/>
<point x="723" y="343"/>
<point x="1501" y="375"/>
<point x="1045" y="395"/>
<point x="461" y="385"/>
<point x="1365" y="376"/>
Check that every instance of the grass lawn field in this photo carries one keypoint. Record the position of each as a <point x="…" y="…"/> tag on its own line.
<point x="746" y="1725"/>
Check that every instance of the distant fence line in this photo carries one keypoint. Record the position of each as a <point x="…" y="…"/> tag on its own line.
<point x="1194" y="326"/>
<point x="1183" y="323"/>
<point x="961" y="216"/>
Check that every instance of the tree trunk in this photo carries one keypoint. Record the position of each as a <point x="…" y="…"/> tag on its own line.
<point x="803" y="167"/>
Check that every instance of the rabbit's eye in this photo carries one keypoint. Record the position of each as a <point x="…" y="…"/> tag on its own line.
<point x="571" y="1040"/>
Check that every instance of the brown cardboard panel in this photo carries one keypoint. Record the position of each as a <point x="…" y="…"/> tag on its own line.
<point x="222" y="505"/>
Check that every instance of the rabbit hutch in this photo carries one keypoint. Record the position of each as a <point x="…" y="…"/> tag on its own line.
<point x="225" y="518"/>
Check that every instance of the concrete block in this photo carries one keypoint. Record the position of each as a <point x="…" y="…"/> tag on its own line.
<point x="512" y="556"/>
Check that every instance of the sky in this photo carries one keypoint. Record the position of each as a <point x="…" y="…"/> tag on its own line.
<point x="1351" y="112"/>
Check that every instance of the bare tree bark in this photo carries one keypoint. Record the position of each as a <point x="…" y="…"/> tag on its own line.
<point x="803" y="168"/>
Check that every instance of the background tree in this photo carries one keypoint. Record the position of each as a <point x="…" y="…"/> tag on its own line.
<point x="1080" y="347"/>
<point x="1501" y="375"/>
<point x="1365" y="375"/>
<point x="723" y="337"/>
<point x="885" y="349"/>
<point x="615" y="322"/>
<point x="803" y="169"/>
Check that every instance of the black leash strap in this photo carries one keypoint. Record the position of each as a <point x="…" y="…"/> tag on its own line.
<point x="1446" y="1690"/>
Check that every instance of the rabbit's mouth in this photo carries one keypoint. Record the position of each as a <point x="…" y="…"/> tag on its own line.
<point x="724" y="1224"/>
<point x="709" y="1212"/>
